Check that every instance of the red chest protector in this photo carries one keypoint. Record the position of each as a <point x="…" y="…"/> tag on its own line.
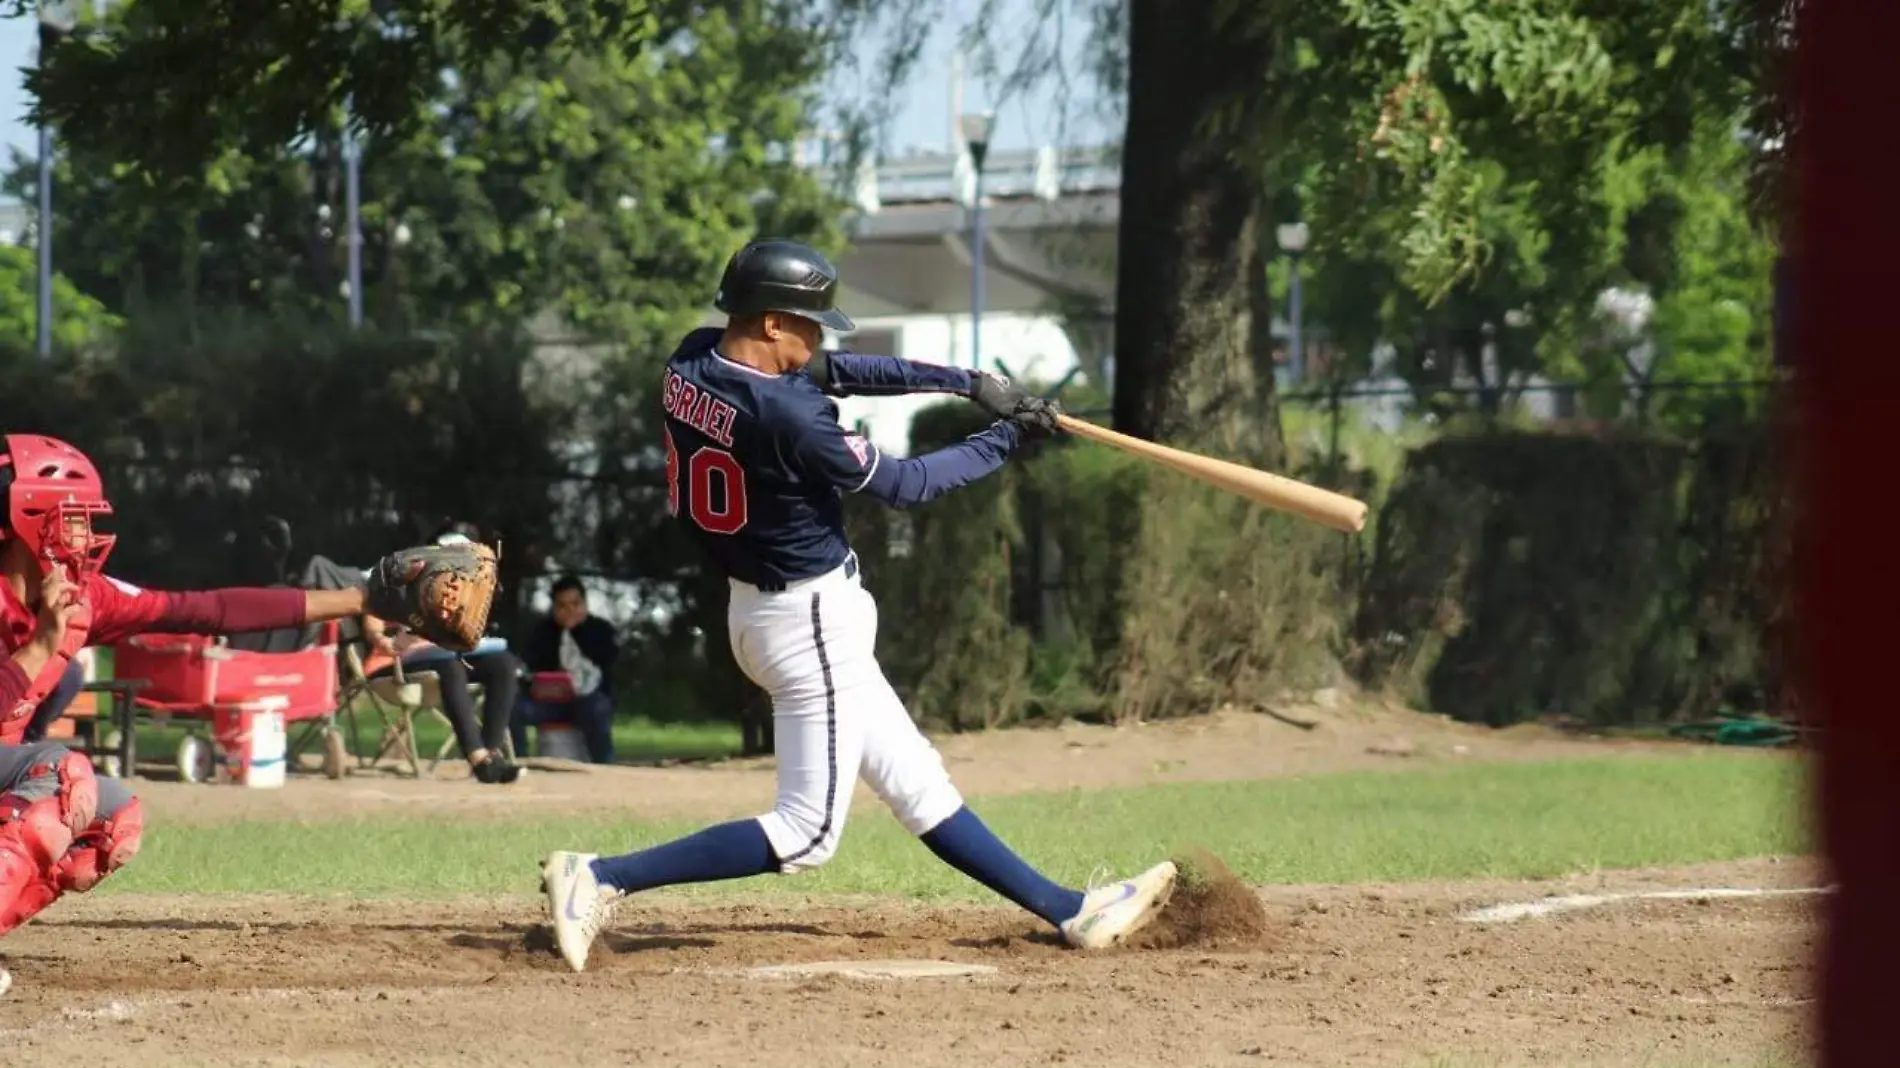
<point x="13" y="722"/>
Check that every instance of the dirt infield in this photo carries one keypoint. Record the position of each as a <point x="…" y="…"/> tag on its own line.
<point x="1341" y="977"/>
<point x="1361" y="976"/>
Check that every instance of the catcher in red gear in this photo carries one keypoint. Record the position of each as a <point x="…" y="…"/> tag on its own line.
<point x="60" y="828"/>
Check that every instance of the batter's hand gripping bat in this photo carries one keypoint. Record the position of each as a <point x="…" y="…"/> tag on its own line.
<point x="1325" y="507"/>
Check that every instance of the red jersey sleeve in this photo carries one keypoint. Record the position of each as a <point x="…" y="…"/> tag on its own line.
<point x="120" y="610"/>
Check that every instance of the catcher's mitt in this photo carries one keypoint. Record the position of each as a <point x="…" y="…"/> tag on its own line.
<point x="442" y="592"/>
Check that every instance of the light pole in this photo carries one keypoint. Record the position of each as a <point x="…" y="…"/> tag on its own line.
<point x="353" y="222"/>
<point x="1293" y="238"/>
<point x="976" y="134"/>
<point x="56" y="21"/>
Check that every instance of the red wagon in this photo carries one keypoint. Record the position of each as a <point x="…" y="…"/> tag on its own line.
<point x="195" y="678"/>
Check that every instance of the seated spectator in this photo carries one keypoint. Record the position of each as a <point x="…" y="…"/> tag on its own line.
<point x="496" y="672"/>
<point x="55" y="704"/>
<point x="570" y="655"/>
<point x="496" y="669"/>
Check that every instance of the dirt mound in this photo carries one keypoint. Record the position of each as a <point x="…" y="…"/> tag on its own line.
<point x="1211" y="909"/>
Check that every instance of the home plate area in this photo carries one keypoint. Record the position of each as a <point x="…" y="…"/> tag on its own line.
<point x="872" y="969"/>
<point x="1352" y="976"/>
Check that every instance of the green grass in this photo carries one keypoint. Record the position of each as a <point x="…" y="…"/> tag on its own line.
<point x="1507" y="821"/>
<point x="637" y="739"/>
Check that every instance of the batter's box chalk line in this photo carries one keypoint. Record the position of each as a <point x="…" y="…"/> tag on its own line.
<point x="1550" y="906"/>
<point x="871" y="969"/>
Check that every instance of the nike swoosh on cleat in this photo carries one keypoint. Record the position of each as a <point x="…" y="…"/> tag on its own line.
<point x="1128" y="891"/>
<point x="572" y="896"/>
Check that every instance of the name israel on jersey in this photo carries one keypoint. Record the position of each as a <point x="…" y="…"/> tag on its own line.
<point x="702" y="411"/>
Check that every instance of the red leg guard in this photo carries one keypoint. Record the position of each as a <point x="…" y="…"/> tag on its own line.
<point x="78" y="789"/>
<point x="105" y="847"/>
<point x="36" y="830"/>
<point x="74" y="791"/>
<point x="26" y="884"/>
<point x="26" y="903"/>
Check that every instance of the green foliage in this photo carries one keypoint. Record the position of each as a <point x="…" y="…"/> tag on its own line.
<point x="79" y="321"/>
<point x="948" y="633"/>
<point x="284" y="70"/>
<point x="1627" y="579"/>
<point x="1222" y="601"/>
<point x="1474" y="172"/>
<point x="1712" y="322"/>
<point x="361" y="441"/>
<point x="1077" y="582"/>
<point x="1479" y="222"/>
<point x="584" y="191"/>
<point x="599" y="184"/>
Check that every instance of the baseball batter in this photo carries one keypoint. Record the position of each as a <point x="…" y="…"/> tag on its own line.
<point x="757" y="469"/>
<point x="62" y="829"/>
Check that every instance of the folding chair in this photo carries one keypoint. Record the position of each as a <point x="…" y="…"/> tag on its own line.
<point x="397" y="697"/>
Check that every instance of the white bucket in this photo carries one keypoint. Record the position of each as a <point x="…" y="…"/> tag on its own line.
<point x="252" y="742"/>
<point x="561" y="741"/>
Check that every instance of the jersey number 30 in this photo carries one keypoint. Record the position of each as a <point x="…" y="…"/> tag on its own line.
<point x="723" y="513"/>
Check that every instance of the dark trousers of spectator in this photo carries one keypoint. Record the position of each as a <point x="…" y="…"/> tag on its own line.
<point x="497" y="674"/>
<point x="55" y="704"/>
<point x="592" y="713"/>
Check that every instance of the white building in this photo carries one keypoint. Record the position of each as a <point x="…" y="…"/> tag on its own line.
<point x="908" y="274"/>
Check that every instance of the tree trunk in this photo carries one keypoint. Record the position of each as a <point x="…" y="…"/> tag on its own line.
<point x="1188" y="244"/>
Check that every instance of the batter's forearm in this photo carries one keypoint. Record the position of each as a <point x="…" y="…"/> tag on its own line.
<point x="857" y="374"/>
<point x="905" y="483"/>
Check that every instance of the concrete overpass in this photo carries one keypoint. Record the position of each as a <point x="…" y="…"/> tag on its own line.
<point x="1048" y="256"/>
<point x="1049" y="234"/>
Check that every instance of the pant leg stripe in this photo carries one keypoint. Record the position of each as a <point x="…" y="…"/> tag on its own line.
<point x="831" y="733"/>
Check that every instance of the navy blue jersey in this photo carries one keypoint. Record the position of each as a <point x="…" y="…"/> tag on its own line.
<point x="757" y="464"/>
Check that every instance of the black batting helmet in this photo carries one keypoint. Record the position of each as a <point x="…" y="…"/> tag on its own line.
<point x="782" y="276"/>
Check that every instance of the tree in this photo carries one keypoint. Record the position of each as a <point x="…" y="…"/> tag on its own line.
<point x="79" y="321"/>
<point x="1406" y="125"/>
<point x="1462" y="163"/>
<point x="599" y="185"/>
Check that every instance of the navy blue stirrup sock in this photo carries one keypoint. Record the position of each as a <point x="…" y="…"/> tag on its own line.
<point x="964" y="843"/>
<point x="728" y="851"/>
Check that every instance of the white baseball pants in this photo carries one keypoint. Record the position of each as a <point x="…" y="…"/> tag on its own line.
<point x="811" y="647"/>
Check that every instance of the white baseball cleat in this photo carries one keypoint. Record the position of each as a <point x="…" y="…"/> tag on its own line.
<point x="578" y="905"/>
<point x="6" y="982"/>
<point x="1112" y="913"/>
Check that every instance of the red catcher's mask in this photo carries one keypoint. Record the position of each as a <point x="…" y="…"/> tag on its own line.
<point x="53" y="496"/>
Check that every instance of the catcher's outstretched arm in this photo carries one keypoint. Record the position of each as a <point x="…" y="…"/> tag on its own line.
<point x="121" y="609"/>
<point x="324" y="605"/>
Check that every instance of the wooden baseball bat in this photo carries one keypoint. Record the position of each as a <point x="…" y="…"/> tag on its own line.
<point x="1335" y="510"/>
